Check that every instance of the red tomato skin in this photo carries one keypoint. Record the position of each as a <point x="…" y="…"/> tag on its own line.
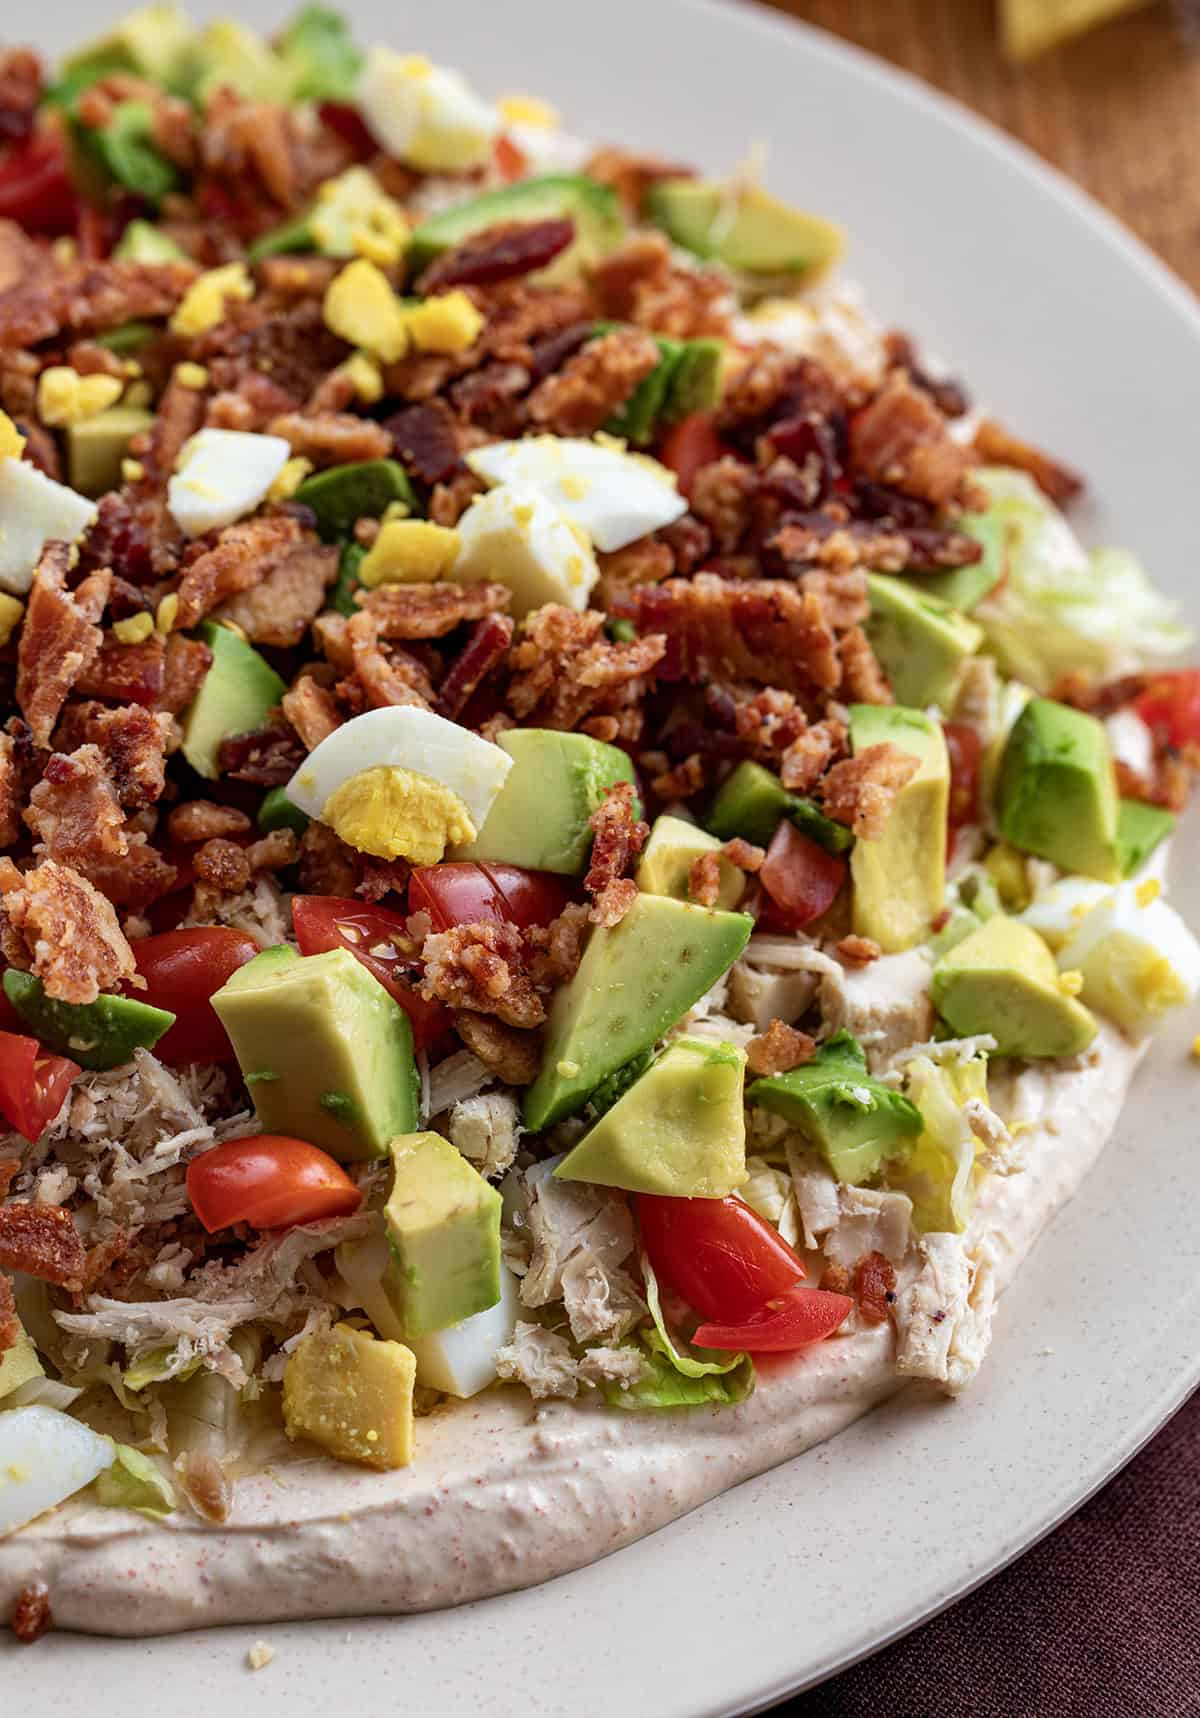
<point x="270" y="1182"/>
<point x="36" y="189"/>
<point x="32" y="1085"/>
<point x="800" y="877"/>
<point x="461" y="892"/>
<point x="966" y="751"/>
<point x="689" y="445"/>
<point x="348" y="124"/>
<point x="182" y="969"/>
<point x="511" y="162"/>
<point x="1170" y="707"/>
<point x="793" y="1320"/>
<point x="335" y="921"/>
<point x="724" y="1259"/>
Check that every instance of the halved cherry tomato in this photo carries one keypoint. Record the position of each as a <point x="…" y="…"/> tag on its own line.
<point x="380" y="941"/>
<point x="463" y="893"/>
<point x="724" y="1259"/>
<point x="965" y="749"/>
<point x="270" y="1182"/>
<point x="691" y="444"/>
<point x="791" y="1320"/>
<point x="36" y="189"/>
<point x="511" y="162"/>
<point x="800" y="877"/>
<point x="1170" y="706"/>
<point x="182" y="970"/>
<point x="32" y="1084"/>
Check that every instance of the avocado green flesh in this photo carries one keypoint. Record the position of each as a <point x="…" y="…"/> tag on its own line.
<point x="142" y="241"/>
<point x="899" y="877"/>
<point x="1057" y="792"/>
<point x="129" y="338"/>
<point x="1140" y="829"/>
<point x="748" y="229"/>
<point x="592" y="206"/>
<point x="151" y="41"/>
<point x="96" y="447"/>
<point x="964" y="587"/>
<point x="238" y="690"/>
<point x="341" y="597"/>
<point x="665" y="867"/>
<point x="346" y="493"/>
<point x="99" y="1034"/>
<point x="635" y="980"/>
<point x="278" y="812"/>
<point x="539" y="819"/>
<point x="855" y="1122"/>
<point x="1002" y="979"/>
<point x="921" y="642"/>
<point x="686" y="379"/>
<point x="443" y="1228"/>
<point x="285" y="240"/>
<point x="326" y="1052"/>
<point x="680" y="1129"/>
<point x="752" y="802"/>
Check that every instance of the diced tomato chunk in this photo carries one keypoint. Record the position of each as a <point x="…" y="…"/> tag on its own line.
<point x="378" y="938"/>
<point x="464" y="893"/>
<point x="724" y="1259"/>
<point x="1170" y="707"/>
<point x="32" y="1084"/>
<point x="689" y="445"/>
<point x="800" y="877"/>
<point x="36" y="189"/>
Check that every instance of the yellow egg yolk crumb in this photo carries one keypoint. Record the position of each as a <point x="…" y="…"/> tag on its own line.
<point x="409" y="552"/>
<point x="361" y="307"/>
<point x="364" y="377"/>
<point x="12" y="442"/>
<point x="65" y="397"/>
<point x="135" y="629"/>
<point x="203" y="304"/>
<point x="290" y="479"/>
<point x="449" y="323"/>
<point x="396" y="813"/>
<point x="528" y="110"/>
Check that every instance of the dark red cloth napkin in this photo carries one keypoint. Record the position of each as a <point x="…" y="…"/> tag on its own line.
<point x="1100" y="1620"/>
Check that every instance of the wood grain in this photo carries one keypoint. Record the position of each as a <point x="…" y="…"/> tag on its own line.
<point x="1118" y="110"/>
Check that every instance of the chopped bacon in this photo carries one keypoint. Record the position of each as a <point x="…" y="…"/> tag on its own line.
<point x="640" y="283"/>
<point x="332" y="438"/>
<point x="513" y="1054"/>
<point x="687" y="778"/>
<point x="386" y="677"/>
<point x="223" y="865"/>
<point x="327" y="865"/>
<point x="836" y="1279"/>
<point x="949" y="396"/>
<point x="492" y="397"/>
<point x="874" y="1287"/>
<point x="995" y="446"/>
<point x="286" y="597"/>
<point x="811" y="753"/>
<point x="32" y="1615"/>
<point x="500" y="252"/>
<point x="482" y="967"/>
<point x="449" y="501"/>
<point x="76" y="815"/>
<point x="59" y="639"/>
<point x="269" y="357"/>
<point x="267" y="756"/>
<point x="15" y="763"/>
<point x="858" y="951"/>
<point x="204" y="820"/>
<point x="631" y="176"/>
<point x="775" y="387"/>
<point x="53" y="922"/>
<point x="862" y="790"/>
<point x="645" y="561"/>
<point x="744" y="854"/>
<point x="592" y="386"/>
<point x="863" y="679"/>
<point x="564" y="669"/>
<point x="483" y="651"/>
<point x="704" y="879"/>
<point x="185" y="665"/>
<point x="133" y="741"/>
<point x="780" y="1048"/>
<point x="232" y="565"/>
<point x="425" y="441"/>
<point x="42" y="1241"/>
<point x="20" y="92"/>
<point x="312" y="710"/>
<point x="902" y="439"/>
<point x="10" y="1324"/>
<point x="819" y="540"/>
<point x="130" y="673"/>
<point x="89" y="298"/>
<point x="431" y="611"/>
<point x="619" y="838"/>
<point x="10" y="1168"/>
<point x="558" y="946"/>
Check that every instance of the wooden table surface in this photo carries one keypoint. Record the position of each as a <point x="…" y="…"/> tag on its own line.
<point x="1117" y="109"/>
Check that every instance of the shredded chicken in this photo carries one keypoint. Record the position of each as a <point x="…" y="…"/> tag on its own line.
<point x="944" y="1317"/>
<point x="581" y="1236"/>
<point x="486" y="1128"/>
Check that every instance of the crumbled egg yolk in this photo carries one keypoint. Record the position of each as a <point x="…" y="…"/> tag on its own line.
<point x="190" y="375"/>
<point x="65" y="397"/>
<point x="1148" y="890"/>
<point x="164" y="615"/>
<point x="1071" y="982"/>
<point x="1196" y="1046"/>
<point x="11" y="610"/>
<point x="203" y="304"/>
<point x="361" y="307"/>
<point x="12" y="442"/>
<point x="448" y="323"/>
<point x="132" y="471"/>
<point x="528" y="110"/>
<point x="289" y="479"/>
<point x="409" y="552"/>
<point x="355" y="216"/>
<point x="364" y="377"/>
<point x="396" y="813"/>
<point x="135" y="629"/>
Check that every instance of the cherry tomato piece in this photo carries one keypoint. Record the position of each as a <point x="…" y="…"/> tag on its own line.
<point x="724" y="1259"/>
<point x="792" y="1320"/>
<point x="690" y="444"/>
<point x="511" y="162"/>
<point x="182" y="970"/>
<point x="464" y="893"/>
<point x="800" y="877"/>
<point x="36" y="189"/>
<point x="378" y="939"/>
<point x="270" y="1182"/>
<point x="966" y="751"/>
<point x="1170" y="706"/>
<point x="32" y="1084"/>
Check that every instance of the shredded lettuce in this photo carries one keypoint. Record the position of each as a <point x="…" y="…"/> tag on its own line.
<point x="939" y="1173"/>
<point x="134" y="1481"/>
<point x="1059" y="608"/>
<point x="156" y="1366"/>
<point x="319" y="51"/>
<point x="676" y="1374"/>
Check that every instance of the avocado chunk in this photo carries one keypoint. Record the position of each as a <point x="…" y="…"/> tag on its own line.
<point x="680" y="1129"/>
<point x="1140" y="829"/>
<point x="96" y="447"/>
<point x="539" y="818"/>
<point x="921" y="641"/>
<point x="142" y="241"/>
<point x="855" y="1122"/>
<point x="227" y="52"/>
<point x="593" y="207"/>
<point x="319" y="54"/>
<point x="129" y="338"/>
<point x="19" y="1364"/>
<point x="151" y="41"/>
<point x="278" y="812"/>
<point x="686" y="379"/>
<point x="899" y="879"/>
<point x="326" y="1052"/>
<point x="99" y="1034"/>
<point x="752" y="802"/>
<point x="341" y="596"/>
<point x="352" y="1394"/>
<point x="964" y="587"/>
<point x="443" y="1227"/>
<point x="667" y="858"/>
<point x="746" y="229"/>
<point x="346" y="493"/>
<point x="1002" y="979"/>
<point x="238" y="690"/>
<point x="634" y="982"/>
<point x="1057" y="792"/>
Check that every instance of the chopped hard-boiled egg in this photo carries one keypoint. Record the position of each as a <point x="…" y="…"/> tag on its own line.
<point x="1137" y="957"/>
<point x="361" y="307"/>
<point x="221" y="476"/>
<point x="203" y="304"/>
<point x="447" y="323"/>
<point x="1131" y="742"/>
<point x="401" y="783"/>
<point x="65" y="397"/>
<point x="46" y="1456"/>
<point x="1057" y="912"/>
<point x="12" y="442"/>
<point x="409" y="552"/>
<point x="515" y="536"/>
<point x="425" y="114"/>
<point x="354" y="216"/>
<point x="34" y="510"/>
<point x="615" y="496"/>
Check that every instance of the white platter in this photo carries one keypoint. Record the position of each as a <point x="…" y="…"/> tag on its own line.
<point x="1080" y="340"/>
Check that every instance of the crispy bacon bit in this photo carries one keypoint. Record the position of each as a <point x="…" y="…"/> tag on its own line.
<point x="483" y="651"/>
<point x="268" y="756"/>
<point x="59" y="638"/>
<point x="835" y="1278"/>
<point x="10" y="1324"/>
<point x="874" y="1287"/>
<point x="631" y="176"/>
<point x="425" y="441"/>
<point x="53" y="922"/>
<point x="619" y="838"/>
<point x="10" y="1168"/>
<point x="312" y="710"/>
<point x="482" y="967"/>
<point x="204" y="820"/>
<point x="327" y="865"/>
<point x="185" y="665"/>
<point x="744" y="854"/>
<point x="133" y="742"/>
<point x="646" y="561"/>
<point x="996" y="446"/>
<point x="863" y="679"/>
<point x="223" y="865"/>
<point x="32" y="1615"/>
<point x="858" y="951"/>
<point x="89" y="298"/>
<point x="76" y="815"/>
<point x="491" y="397"/>
<point x="862" y="790"/>
<point x="206" y="1485"/>
<point x="20" y="92"/>
<point x="704" y="879"/>
<point x="42" y="1241"/>
<point x="332" y="438"/>
<point x="810" y="755"/>
<point x="683" y="781"/>
<point x="130" y="673"/>
<point x="499" y="252"/>
<point x="775" y="388"/>
<point x="558" y="946"/>
<point x="449" y="501"/>
<point x="564" y="670"/>
<point x="232" y="565"/>
<point x="387" y="677"/>
<point x="286" y="597"/>
<point x="593" y="385"/>
<point x="640" y="283"/>
<point x="722" y="497"/>
<point x="780" y="1048"/>
<point x="613" y="902"/>
<point x="901" y="439"/>
<point x="948" y="396"/>
<point x="431" y="611"/>
<point x="12" y="790"/>
<point x="513" y="1055"/>
<point x="818" y="540"/>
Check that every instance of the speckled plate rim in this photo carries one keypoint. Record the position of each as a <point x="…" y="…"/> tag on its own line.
<point x="1083" y="340"/>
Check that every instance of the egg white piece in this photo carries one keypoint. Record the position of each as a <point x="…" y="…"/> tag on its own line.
<point x="34" y="511"/>
<point x="1137" y="957"/>
<point x="45" y="1457"/>
<point x="222" y="475"/>
<point x="616" y="497"/>
<point x="518" y="538"/>
<point x="1056" y="913"/>
<point x="409" y="739"/>
<point x="1131" y="742"/>
<point x="425" y="114"/>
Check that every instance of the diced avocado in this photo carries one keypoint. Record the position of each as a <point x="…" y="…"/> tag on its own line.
<point x="227" y="52"/>
<point x="963" y="587"/>
<point x="638" y="417"/>
<point x="899" y="879"/>
<point x="319" y="54"/>
<point x="745" y="228"/>
<point x="124" y="149"/>
<point x="921" y="642"/>
<point x="99" y="1034"/>
<point x="686" y="379"/>
<point x="1140" y="829"/>
<point x="593" y="208"/>
<point x="1002" y="979"/>
<point x="142" y="241"/>
<point x="96" y="447"/>
<point x="238" y="690"/>
<point x="278" y="812"/>
<point x="352" y="1394"/>
<point x="326" y="1052"/>
<point x="752" y="802"/>
<point x="695" y="384"/>
<point x="129" y="338"/>
<point x="443" y="1226"/>
<point x="346" y="493"/>
<point x="151" y="41"/>
<point x="855" y="1122"/>
<point x="341" y="597"/>
<point x="1057" y="792"/>
<point x="539" y="819"/>
<point x="635" y="980"/>
<point x="666" y="862"/>
<point x="18" y="1364"/>
<point x="680" y="1129"/>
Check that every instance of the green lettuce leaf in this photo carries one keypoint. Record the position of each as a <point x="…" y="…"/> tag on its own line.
<point x="135" y="1482"/>
<point x="939" y="1173"/>
<point x="320" y="54"/>
<point x="676" y="1374"/>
